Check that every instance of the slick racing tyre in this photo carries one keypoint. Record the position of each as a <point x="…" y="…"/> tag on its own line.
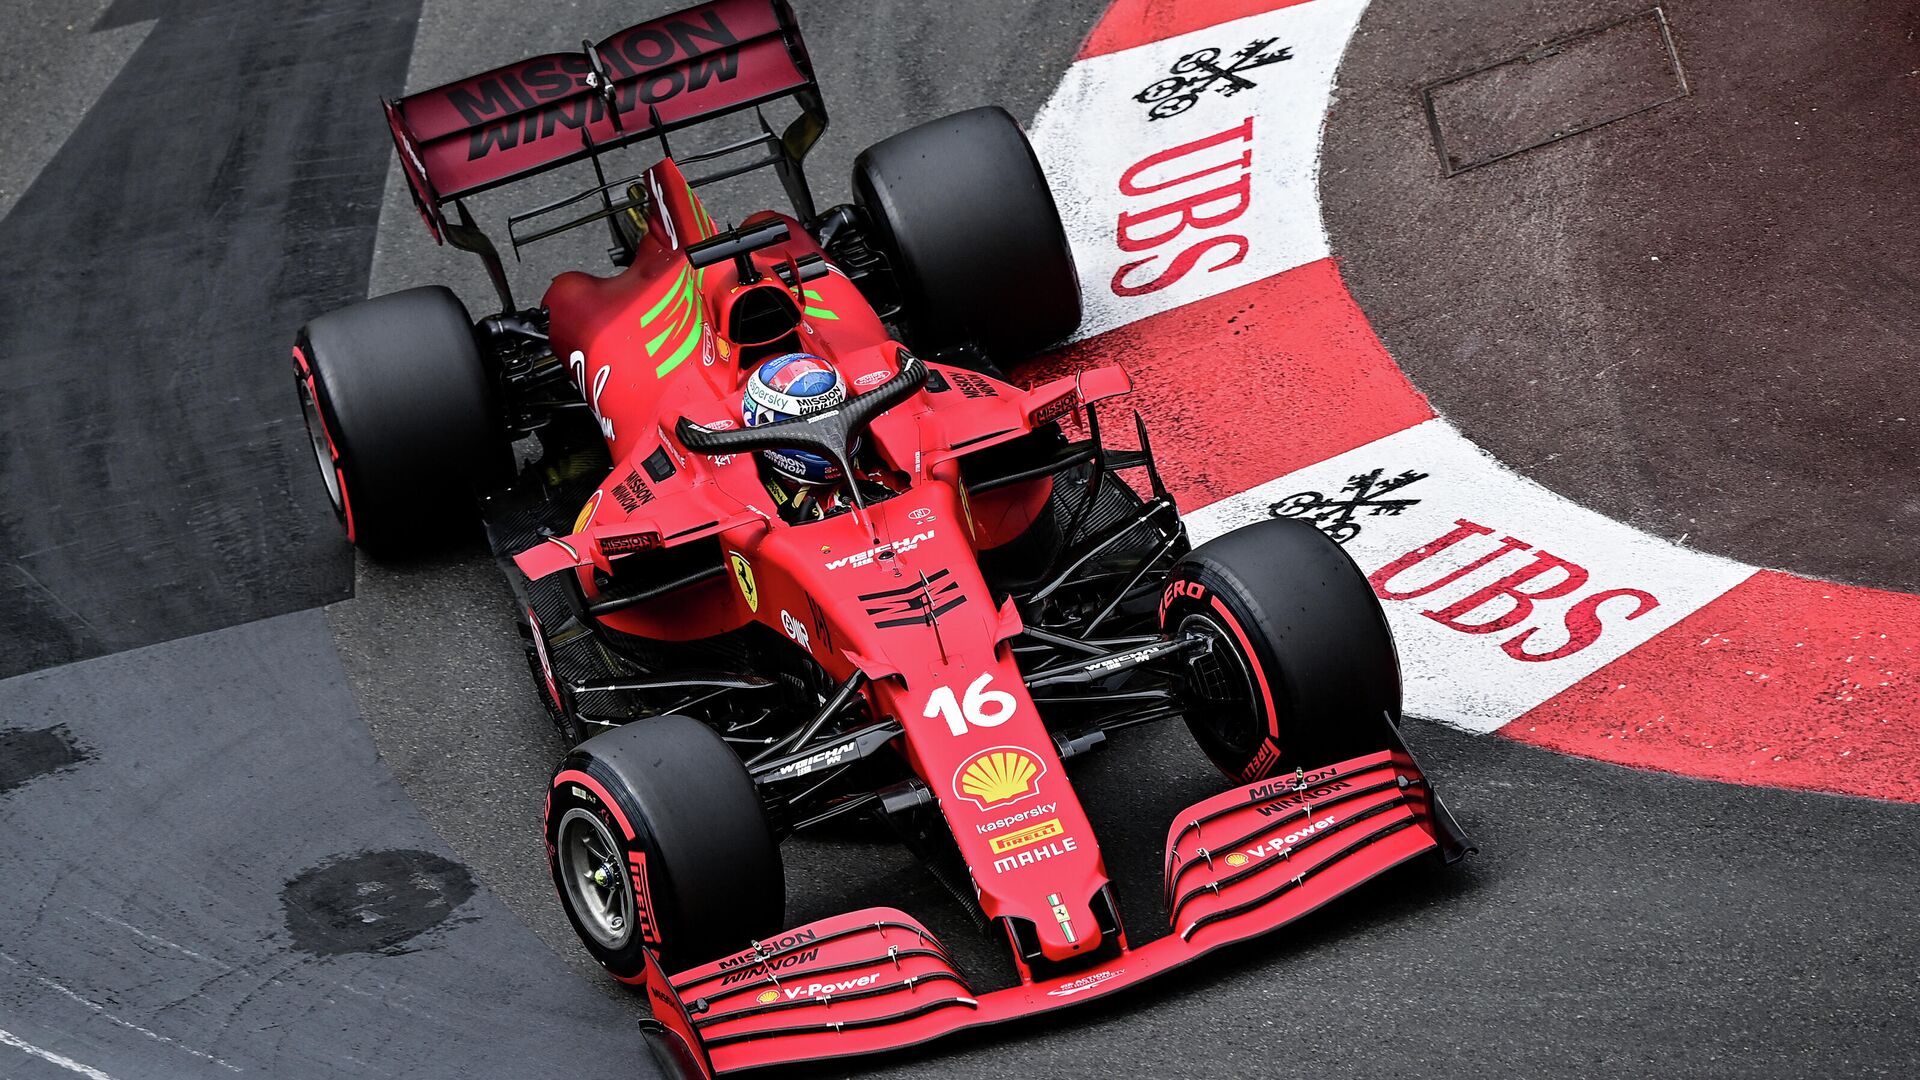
<point x="1302" y="671"/>
<point x="400" y="414"/>
<point x="962" y="212"/>
<point x="657" y="840"/>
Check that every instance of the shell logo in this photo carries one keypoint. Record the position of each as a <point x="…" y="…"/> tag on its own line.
<point x="1237" y="859"/>
<point x="999" y="775"/>
<point x="768" y="997"/>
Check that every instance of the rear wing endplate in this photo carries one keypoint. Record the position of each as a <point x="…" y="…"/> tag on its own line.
<point x="513" y="122"/>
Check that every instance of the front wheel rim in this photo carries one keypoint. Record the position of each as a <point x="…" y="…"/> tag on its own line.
<point x="1221" y="690"/>
<point x="596" y="883"/>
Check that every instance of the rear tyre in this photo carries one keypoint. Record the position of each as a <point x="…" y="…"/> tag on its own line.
<point x="963" y="213"/>
<point x="400" y="414"/>
<point x="656" y="839"/>
<point x="1303" y="665"/>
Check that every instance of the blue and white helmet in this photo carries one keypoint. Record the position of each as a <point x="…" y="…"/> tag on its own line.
<point x="797" y="384"/>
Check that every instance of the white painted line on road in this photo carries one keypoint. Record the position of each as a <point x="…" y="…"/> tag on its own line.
<point x="157" y="939"/>
<point x="8" y="1038"/>
<point x="74" y="995"/>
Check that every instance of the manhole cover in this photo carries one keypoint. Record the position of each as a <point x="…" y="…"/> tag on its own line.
<point x="1553" y="92"/>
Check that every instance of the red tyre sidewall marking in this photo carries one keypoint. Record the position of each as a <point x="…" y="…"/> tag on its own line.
<point x="1270" y="750"/>
<point x="305" y="372"/>
<point x="1263" y="760"/>
<point x="575" y="776"/>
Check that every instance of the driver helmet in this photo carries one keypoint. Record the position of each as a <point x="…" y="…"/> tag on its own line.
<point x="795" y="384"/>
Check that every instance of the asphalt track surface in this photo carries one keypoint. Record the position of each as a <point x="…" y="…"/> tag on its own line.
<point x="1696" y="321"/>
<point x="172" y="811"/>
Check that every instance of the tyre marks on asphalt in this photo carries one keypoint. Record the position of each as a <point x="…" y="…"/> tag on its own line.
<point x="154" y="479"/>
<point x="1206" y="270"/>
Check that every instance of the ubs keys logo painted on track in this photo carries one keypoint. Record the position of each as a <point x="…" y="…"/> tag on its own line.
<point x="1183" y="200"/>
<point x="1197" y="72"/>
<point x="1500" y="593"/>
<point x="1334" y="515"/>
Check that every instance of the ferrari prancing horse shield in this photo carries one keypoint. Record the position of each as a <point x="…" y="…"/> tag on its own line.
<point x="743" y="573"/>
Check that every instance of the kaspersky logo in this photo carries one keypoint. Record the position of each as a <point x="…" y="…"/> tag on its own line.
<point x="997" y="776"/>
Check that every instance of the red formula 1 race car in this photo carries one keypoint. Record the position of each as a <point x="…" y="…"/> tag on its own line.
<point x="777" y="569"/>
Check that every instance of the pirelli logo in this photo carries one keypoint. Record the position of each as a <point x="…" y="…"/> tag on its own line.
<point x="1032" y="835"/>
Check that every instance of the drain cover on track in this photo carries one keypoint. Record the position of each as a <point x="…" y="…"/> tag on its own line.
<point x="1558" y="90"/>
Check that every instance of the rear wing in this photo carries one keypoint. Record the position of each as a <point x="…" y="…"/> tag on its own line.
<point x="648" y="80"/>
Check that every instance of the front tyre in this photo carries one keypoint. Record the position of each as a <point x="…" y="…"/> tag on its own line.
<point x="657" y="840"/>
<point x="1301" y="665"/>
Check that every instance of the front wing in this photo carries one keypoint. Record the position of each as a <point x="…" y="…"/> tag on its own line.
<point x="1240" y="864"/>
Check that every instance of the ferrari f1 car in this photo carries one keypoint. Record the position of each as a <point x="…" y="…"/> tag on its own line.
<point x="978" y="596"/>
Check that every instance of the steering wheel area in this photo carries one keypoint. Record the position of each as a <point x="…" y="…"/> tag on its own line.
<point x="829" y="433"/>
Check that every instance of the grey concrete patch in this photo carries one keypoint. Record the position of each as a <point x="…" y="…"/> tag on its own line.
<point x="146" y="934"/>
